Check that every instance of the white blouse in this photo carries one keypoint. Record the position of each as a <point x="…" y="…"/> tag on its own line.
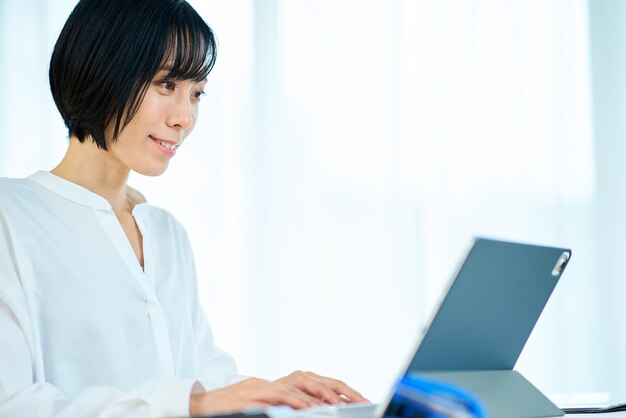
<point x="84" y="330"/>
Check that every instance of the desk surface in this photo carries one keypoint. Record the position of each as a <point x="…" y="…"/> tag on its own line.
<point x="621" y="414"/>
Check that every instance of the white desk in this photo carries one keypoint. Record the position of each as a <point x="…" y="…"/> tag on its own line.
<point x="606" y="415"/>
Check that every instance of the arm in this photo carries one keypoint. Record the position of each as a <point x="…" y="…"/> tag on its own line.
<point x="23" y="395"/>
<point x="230" y="391"/>
<point x="24" y="391"/>
<point x="216" y="369"/>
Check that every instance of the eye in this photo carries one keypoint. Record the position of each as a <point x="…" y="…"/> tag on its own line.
<point x="198" y="95"/>
<point x="168" y="84"/>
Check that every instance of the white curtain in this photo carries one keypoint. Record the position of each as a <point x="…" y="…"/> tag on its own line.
<point x="346" y="154"/>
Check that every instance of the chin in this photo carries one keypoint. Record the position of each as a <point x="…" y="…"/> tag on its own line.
<point x="151" y="171"/>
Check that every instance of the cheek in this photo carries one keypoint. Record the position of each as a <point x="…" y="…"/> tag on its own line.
<point x="151" y="108"/>
<point x="194" y="115"/>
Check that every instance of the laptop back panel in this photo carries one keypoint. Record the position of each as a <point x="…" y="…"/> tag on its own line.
<point x="491" y="308"/>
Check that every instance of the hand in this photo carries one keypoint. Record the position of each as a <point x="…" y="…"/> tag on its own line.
<point x="325" y="389"/>
<point x="250" y="393"/>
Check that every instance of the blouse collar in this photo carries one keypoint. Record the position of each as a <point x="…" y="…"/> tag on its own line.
<point x="69" y="190"/>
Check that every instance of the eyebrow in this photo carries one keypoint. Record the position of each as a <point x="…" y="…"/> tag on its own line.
<point x="203" y="81"/>
<point x="168" y="68"/>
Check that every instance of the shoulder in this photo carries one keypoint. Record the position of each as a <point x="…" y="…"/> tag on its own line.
<point x="14" y="190"/>
<point x="160" y="220"/>
<point x="169" y="241"/>
<point x="8" y="185"/>
<point x="19" y="199"/>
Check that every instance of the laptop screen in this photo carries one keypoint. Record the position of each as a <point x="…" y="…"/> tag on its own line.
<point x="491" y="307"/>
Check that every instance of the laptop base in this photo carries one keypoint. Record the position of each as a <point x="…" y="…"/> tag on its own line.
<point x="504" y="393"/>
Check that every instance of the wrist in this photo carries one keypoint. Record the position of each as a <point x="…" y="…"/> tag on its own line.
<point x="195" y="402"/>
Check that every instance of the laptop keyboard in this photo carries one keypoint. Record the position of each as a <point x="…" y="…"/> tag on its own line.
<point x="348" y="410"/>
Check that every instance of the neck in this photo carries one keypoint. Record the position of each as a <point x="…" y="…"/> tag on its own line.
<point x="96" y="170"/>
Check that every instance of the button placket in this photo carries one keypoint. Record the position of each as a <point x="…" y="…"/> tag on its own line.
<point x="155" y="313"/>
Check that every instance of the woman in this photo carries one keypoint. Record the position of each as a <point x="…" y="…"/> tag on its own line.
<point x="99" y="312"/>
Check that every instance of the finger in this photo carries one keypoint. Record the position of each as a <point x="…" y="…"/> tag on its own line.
<point x="340" y="388"/>
<point x="317" y="388"/>
<point x="272" y="393"/>
<point x="282" y="394"/>
<point x="221" y="401"/>
<point x="300" y="393"/>
<point x="248" y="405"/>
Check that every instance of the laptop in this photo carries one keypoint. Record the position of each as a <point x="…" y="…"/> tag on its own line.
<point x="490" y="308"/>
<point x="481" y="327"/>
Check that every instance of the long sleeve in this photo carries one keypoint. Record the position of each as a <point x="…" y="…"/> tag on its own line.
<point x="24" y="394"/>
<point x="216" y="368"/>
<point x="85" y="331"/>
<point x="152" y="399"/>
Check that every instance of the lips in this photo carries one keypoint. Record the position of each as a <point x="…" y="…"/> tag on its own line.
<point x="169" y="145"/>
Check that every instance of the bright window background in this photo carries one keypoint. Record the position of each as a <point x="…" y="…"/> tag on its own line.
<point x="346" y="154"/>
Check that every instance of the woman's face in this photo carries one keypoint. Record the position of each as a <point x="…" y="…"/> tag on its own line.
<point x="165" y="117"/>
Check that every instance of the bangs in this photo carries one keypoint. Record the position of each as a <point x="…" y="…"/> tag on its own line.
<point x="189" y="51"/>
<point x="109" y="52"/>
<point x="186" y="50"/>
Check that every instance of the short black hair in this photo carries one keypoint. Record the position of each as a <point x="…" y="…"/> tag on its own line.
<point x="109" y="51"/>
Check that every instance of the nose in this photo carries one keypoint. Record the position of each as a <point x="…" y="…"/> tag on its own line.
<point x="181" y="113"/>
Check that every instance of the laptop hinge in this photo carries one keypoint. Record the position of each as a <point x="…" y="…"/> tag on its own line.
<point x="503" y="393"/>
